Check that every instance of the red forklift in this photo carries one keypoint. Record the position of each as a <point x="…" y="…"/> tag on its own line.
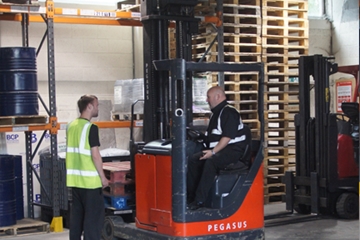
<point x="327" y="148"/>
<point x="235" y="208"/>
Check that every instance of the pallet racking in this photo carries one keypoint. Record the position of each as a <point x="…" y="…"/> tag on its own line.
<point x="51" y="15"/>
<point x="26" y="13"/>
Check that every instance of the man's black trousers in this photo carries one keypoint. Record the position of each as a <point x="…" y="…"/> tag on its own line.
<point x="87" y="214"/>
<point x="201" y="173"/>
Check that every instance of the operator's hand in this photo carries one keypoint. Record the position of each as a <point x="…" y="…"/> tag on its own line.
<point x="104" y="182"/>
<point x="206" y="154"/>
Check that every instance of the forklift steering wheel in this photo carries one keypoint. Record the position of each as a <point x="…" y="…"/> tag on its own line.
<point x="194" y="135"/>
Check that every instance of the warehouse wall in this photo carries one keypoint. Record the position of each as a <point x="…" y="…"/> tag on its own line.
<point x="337" y="35"/>
<point x="319" y="37"/>
<point x="345" y="36"/>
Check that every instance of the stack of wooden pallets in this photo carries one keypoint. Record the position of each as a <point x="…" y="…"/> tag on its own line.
<point x="274" y="32"/>
<point x="284" y="40"/>
<point x="119" y="194"/>
<point x="242" y="44"/>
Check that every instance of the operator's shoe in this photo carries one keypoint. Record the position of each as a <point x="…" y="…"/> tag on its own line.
<point x="195" y="205"/>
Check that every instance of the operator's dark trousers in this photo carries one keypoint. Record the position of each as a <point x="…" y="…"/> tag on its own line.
<point x="87" y="214"/>
<point x="201" y="173"/>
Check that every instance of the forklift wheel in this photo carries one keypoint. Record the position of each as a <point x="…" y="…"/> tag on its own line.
<point x="347" y="205"/>
<point x="109" y="229"/>
<point x="302" y="209"/>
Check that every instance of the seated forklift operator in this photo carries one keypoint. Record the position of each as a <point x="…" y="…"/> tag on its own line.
<point x="225" y="143"/>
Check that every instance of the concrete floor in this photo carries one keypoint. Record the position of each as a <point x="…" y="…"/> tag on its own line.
<point x="325" y="228"/>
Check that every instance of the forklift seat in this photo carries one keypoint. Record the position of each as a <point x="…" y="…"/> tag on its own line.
<point x="351" y="110"/>
<point x="227" y="177"/>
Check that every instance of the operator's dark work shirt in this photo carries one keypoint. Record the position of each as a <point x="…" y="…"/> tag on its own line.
<point x="230" y="120"/>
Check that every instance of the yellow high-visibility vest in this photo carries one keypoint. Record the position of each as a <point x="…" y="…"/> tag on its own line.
<point x="80" y="168"/>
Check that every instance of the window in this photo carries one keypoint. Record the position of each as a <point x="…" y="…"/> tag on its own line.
<point x="316" y="8"/>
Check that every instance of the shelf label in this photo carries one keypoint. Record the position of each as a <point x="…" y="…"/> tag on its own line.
<point x="27" y="9"/>
<point x="17" y="8"/>
<point x="69" y="11"/>
<point x="105" y="14"/>
<point x="86" y="12"/>
<point x="20" y="129"/>
<point x="139" y="123"/>
<point x="135" y="14"/>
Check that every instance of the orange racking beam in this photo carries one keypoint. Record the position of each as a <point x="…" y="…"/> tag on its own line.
<point x="75" y="20"/>
<point x="81" y="16"/>
<point x="62" y="126"/>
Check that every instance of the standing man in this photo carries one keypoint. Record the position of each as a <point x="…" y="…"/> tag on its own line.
<point x="84" y="172"/>
<point x="225" y="144"/>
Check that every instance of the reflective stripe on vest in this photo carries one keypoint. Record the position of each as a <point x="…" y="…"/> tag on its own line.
<point x="82" y="173"/>
<point x="81" y="149"/>
<point x="218" y="131"/>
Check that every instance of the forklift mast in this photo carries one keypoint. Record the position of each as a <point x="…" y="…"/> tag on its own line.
<point x="157" y="16"/>
<point x="318" y="187"/>
<point x="160" y="165"/>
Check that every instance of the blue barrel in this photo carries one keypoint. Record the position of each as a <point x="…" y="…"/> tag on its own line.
<point x="18" y="81"/>
<point x="17" y="58"/>
<point x="7" y="191"/>
<point x="19" y="103"/>
<point x="19" y="193"/>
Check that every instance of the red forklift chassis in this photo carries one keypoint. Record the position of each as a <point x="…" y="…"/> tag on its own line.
<point x="160" y="180"/>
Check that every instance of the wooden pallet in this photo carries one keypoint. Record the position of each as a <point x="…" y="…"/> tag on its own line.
<point x="274" y="188"/>
<point x="299" y="5"/>
<point x="242" y="28"/>
<point x="250" y="3"/>
<point x="230" y="57"/>
<point x="21" y="3"/>
<point x="130" y="8"/>
<point x="243" y="11"/>
<point x="126" y="116"/>
<point x="119" y="189"/>
<point x="274" y="198"/>
<point x="118" y="172"/>
<point x="234" y="17"/>
<point x="23" y="120"/>
<point x="25" y="227"/>
<point x="241" y="38"/>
